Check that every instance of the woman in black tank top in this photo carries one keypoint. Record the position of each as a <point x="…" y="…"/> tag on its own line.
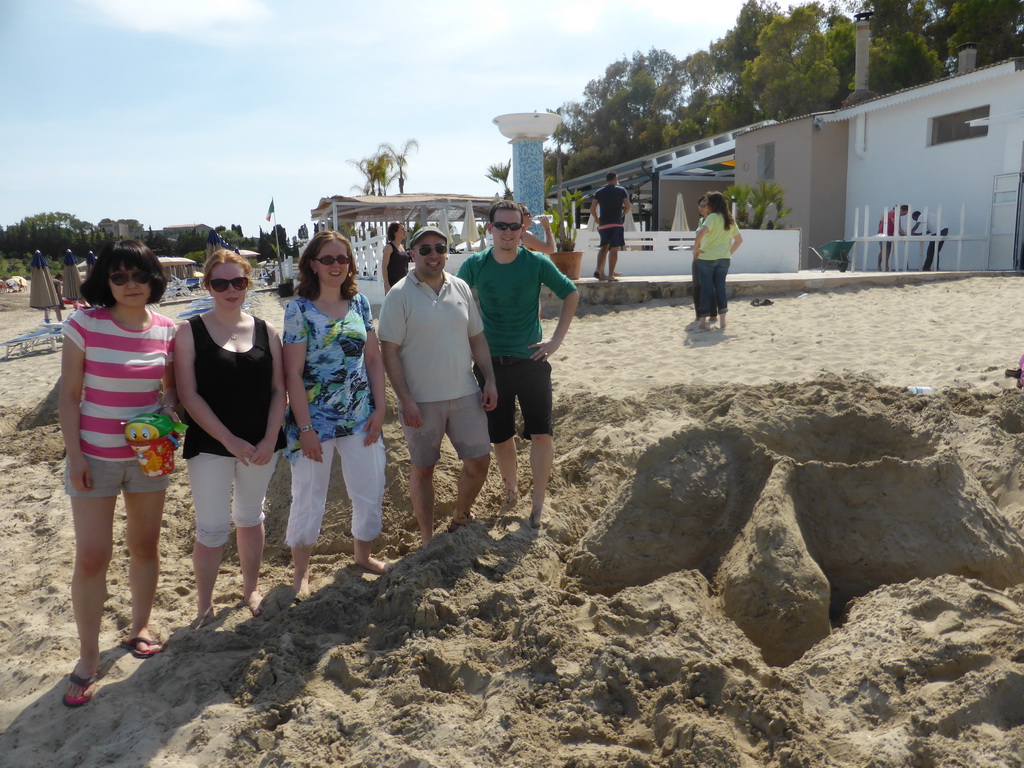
<point x="228" y="367"/>
<point x="395" y="262"/>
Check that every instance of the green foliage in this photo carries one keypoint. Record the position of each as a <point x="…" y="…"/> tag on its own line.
<point x="793" y="73"/>
<point x="563" y="221"/>
<point x="752" y="203"/>
<point x="52" y="234"/>
<point x="775" y="64"/>
<point x="399" y="158"/>
<point x="499" y="173"/>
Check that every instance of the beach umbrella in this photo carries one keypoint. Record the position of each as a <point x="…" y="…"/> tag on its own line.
<point x="42" y="294"/>
<point x="469" y="233"/>
<point x="71" y="287"/>
<point x="90" y="260"/>
<point x="679" y="223"/>
<point x="17" y="282"/>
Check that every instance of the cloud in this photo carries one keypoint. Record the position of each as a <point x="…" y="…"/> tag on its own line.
<point x="191" y="18"/>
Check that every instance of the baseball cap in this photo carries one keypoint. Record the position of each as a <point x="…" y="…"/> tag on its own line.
<point x="427" y="231"/>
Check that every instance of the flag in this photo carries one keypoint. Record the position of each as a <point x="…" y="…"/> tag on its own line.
<point x="271" y="209"/>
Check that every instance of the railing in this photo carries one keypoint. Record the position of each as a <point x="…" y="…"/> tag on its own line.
<point x="870" y="243"/>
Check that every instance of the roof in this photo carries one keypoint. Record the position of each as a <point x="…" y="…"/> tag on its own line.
<point x="424" y="207"/>
<point x="912" y="93"/>
<point x="706" y="157"/>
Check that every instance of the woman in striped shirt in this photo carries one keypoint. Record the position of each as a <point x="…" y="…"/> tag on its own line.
<point x="116" y="364"/>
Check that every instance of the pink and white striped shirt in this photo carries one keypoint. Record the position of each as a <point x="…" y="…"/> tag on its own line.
<point x="123" y="370"/>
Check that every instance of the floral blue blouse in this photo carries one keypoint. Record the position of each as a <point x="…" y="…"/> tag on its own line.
<point x="335" y="378"/>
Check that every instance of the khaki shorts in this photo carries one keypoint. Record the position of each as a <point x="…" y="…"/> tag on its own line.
<point x="109" y="478"/>
<point x="463" y="420"/>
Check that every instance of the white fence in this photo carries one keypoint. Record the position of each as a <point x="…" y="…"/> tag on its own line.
<point x="660" y="254"/>
<point x="959" y="250"/>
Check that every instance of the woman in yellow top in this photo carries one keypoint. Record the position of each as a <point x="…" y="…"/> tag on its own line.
<point x="717" y="240"/>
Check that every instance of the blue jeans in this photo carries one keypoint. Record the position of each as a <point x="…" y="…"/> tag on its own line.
<point x="712" y="274"/>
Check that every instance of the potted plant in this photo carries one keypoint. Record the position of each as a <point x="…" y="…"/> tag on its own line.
<point x="563" y="224"/>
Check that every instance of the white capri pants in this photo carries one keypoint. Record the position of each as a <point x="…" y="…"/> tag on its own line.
<point x="211" y="477"/>
<point x="362" y="466"/>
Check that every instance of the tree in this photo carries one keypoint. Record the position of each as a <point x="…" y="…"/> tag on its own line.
<point x="793" y="74"/>
<point x="399" y="159"/>
<point x="625" y="113"/>
<point x="377" y="174"/>
<point x="498" y="173"/>
<point x="997" y="25"/>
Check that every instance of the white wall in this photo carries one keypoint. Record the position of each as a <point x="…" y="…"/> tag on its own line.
<point x="763" y="251"/>
<point x="896" y="165"/>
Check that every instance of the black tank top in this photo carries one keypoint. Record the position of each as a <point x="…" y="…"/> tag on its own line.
<point x="236" y="386"/>
<point x="398" y="264"/>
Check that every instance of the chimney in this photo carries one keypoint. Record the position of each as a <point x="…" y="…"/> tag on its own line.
<point x="968" y="58"/>
<point x="860" y="78"/>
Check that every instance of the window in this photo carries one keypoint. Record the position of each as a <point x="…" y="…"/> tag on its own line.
<point x="766" y="162"/>
<point x="957" y="126"/>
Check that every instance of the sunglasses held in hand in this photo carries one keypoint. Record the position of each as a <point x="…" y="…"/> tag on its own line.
<point x="220" y="284"/>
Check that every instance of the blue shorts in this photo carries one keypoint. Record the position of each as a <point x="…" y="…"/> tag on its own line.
<point x="614" y="237"/>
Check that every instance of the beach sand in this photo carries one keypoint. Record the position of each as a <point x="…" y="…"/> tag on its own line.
<point x="762" y="551"/>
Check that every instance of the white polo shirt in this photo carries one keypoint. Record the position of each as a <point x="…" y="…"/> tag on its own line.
<point x="433" y="331"/>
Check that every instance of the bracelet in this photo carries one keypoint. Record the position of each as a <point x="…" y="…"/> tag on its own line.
<point x="307" y="428"/>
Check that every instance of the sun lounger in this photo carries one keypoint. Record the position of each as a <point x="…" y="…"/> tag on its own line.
<point x="836" y="252"/>
<point x="49" y="336"/>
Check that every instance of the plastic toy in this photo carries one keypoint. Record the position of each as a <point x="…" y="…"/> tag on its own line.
<point x="154" y="437"/>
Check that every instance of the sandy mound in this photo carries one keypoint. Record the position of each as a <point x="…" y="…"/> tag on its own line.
<point x="676" y="611"/>
<point x="798" y="572"/>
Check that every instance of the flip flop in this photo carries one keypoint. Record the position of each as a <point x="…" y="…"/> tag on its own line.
<point x="84" y="683"/>
<point x="152" y="647"/>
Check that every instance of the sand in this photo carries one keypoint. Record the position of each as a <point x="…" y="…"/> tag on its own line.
<point x="762" y="551"/>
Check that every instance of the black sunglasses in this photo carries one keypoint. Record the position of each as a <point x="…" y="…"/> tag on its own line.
<point x="440" y="249"/>
<point x="220" y="284"/>
<point x="139" y="277"/>
<point x="328" y="260"/>
<point x="503" y="225"/>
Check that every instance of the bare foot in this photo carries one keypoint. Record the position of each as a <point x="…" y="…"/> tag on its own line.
<point x="255" y="603"/>
<point x="203" y="618"/>
<point x="301" y="587"/>
<point x="536" y="516"/>
<point x="703" y="326"/>
<point x="373" y="565"/>
<point x="511" y="500"/>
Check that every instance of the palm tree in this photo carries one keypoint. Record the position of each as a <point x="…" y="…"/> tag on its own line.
<point x="499" y="175"/>
<point x="377" y="174"/>
<point x="399" y="159"/>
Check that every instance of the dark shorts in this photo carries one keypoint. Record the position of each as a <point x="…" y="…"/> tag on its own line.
<point x="614" y="237"/>
<point x="527" y="380"/>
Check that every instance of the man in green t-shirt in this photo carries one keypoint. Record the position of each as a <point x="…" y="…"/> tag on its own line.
<point x="507" y="278"/>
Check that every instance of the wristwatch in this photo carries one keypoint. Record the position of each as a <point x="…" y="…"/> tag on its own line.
<point x="307" y="428"/>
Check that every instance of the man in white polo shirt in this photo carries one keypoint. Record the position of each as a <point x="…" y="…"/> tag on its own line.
<point x="431" y="334"/>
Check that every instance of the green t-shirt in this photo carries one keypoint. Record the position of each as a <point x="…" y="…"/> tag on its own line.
<point x="716" y="241"/>
<point x="508" y="295"/>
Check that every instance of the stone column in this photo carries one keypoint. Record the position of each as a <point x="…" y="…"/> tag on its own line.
<point x="527" y="132"/>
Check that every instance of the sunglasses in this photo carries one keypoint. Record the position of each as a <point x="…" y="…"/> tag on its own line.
<point x="220" y="284"/>
<point x="440" y="249"/>
<point x="328" y="260"/>
<point x="139" y="277"/>
<point x="503" y="225"/>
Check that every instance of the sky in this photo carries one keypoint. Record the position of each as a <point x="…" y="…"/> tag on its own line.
<point x="201" y="111"/>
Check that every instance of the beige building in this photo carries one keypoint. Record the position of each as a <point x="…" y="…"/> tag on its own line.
<point x="807" y="158"/>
